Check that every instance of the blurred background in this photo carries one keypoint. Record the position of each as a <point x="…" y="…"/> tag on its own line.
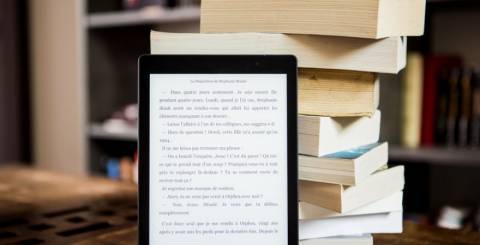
<point x="68" y="93"/>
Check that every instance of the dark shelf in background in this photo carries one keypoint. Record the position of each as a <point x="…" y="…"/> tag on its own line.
<point x="451" y="4"/>
<point x="143" y="17"/>
<point x="451" y="1"/>
<point x="448" y="156"/>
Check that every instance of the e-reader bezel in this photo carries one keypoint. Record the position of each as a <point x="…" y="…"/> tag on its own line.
<point x="216" y="64"/>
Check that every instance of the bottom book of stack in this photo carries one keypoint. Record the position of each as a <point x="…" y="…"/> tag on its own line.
<point x="347" y="196"/>
<point x="364" y="239"/>
<point x="382" y="216"/>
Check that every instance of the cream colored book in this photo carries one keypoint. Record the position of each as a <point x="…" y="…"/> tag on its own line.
<point x="319" y="136"/>
<point x="341" y="198"/>
<point x="391" y="222"/>
<point x="312" y="51"/>
<point x="337" y="93"/>
<point x="351" y="18"/>
<point x="412" y="101"/>
<point x="349" y="167"/>
<point x="365" y="239"/>
<point x="388" y="204"/>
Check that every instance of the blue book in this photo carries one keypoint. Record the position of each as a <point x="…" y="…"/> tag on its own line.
<point x="348" y="167"/>
<point x="353" y="153"/>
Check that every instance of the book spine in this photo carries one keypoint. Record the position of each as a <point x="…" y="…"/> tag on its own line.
<point x="465" y="109"/>
<point x="453" y="106"/>
<point x="428" y="102"/>
<point x="412" y="100"/>
<point x="442" y="109"/>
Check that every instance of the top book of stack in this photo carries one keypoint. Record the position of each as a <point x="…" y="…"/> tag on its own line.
<point x="350" y="18"/>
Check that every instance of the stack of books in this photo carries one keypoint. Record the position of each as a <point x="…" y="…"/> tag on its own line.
<point x="346" y="189"/>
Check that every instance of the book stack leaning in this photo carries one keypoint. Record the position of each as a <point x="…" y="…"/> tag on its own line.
<point x="347" y="191"/>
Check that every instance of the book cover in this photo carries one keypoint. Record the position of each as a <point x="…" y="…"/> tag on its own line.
<point x="354" y="152"/>
<point x="387" y="55"/>
<point x="364" y="239"/>
<point x="319" y="136"/>
<point x="307" y="211"/>
<point x="341" y="198"/>
<point x="349" y="167"/>
<point x="391" y="222"/>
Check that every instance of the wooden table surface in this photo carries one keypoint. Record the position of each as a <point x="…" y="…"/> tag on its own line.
<point x="39" y="207"/>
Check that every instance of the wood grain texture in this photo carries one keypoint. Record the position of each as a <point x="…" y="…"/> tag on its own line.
<point x="54" y="208"/>
<point x="352" y="18"/>
<point x="36" y="190"/>
<point x="416" y="234"/>
<point x="413" y="234"/>
<point x="127" y="236"/>
<point x="312" y="51"/>
<point x="26" y="191"/>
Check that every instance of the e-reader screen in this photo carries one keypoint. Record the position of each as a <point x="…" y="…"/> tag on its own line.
<point x="218" y="159"/>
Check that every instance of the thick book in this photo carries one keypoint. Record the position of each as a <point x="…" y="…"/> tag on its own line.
<point x="390" y="203"/>
<point x="386" y="55"/>
<point x="391" y="222"/>
<point x="412" y="101"/>
<point x="352" y="18"/>
<point x="341" y="198"/>
<point x="337" y="93"/>
<point x="364" y="239"/>
<point x="320" y="136"/>
<point x="349" y="167"/>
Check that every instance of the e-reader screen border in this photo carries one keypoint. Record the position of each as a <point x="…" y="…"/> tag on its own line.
<point x="216" y="64"/>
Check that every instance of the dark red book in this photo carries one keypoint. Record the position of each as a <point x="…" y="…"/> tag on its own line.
<point x="433" y="67"/>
